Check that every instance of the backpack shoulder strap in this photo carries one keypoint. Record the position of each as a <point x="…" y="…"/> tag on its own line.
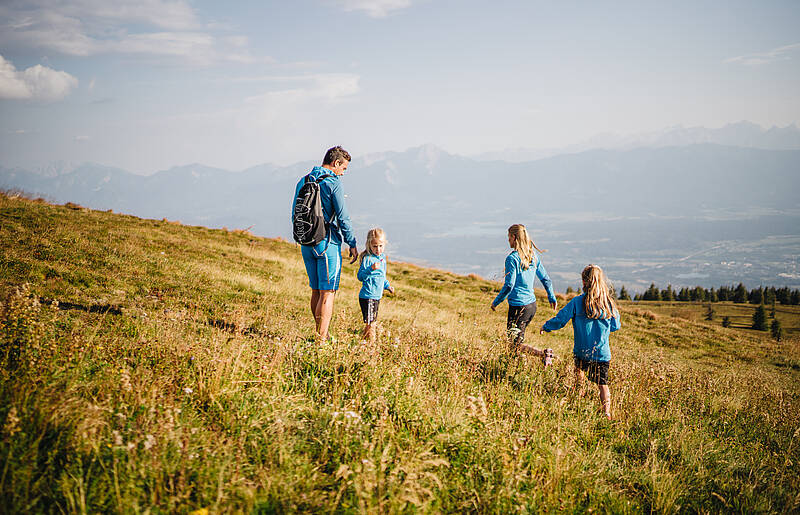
<point x="318" y="180"/>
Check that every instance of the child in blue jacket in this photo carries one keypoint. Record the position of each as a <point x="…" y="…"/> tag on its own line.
<point x="594" y="316"/>
<point x="372" y="273"/>
<point x="522" y="264"/>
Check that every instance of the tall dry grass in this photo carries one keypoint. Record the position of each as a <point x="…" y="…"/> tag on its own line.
<point x="148" y="366"/>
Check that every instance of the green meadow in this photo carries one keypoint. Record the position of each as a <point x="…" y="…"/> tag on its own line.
<point x="149" y="366"/>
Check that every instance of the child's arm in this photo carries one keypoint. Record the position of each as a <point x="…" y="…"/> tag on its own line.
<point x="541" y="273"/>
<point x="364" y="269"/>
<point x="386" y="285"/>
<point x="560" y="320"/>
<point x="615" y="325"/>
<point x="510" y="280"/>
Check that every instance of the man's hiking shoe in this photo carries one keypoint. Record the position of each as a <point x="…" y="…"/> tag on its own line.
<point x="547" y="359"/>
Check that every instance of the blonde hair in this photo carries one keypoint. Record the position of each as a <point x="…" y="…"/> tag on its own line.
<point x="598" y="303"/>
<point x="376" y="233"/>
<point x="523" y="244"/>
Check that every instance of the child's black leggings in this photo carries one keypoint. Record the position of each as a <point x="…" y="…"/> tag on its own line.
<point x="518" y="319"/>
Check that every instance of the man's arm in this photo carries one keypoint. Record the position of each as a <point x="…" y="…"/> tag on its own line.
<point x="342" y="215"/>
<point x="343" y="220"/>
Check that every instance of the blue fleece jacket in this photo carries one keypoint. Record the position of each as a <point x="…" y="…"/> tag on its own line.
<point x="333" y="207"/>
<point x="591" y="334"/>
<point x="375" y="281"/>
<point x="518" y="284"/>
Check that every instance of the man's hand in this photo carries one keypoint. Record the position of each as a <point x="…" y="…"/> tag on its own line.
<point x="494" y="308"/>
<point x="353" y="255"/>
<point x="554" y="304"/>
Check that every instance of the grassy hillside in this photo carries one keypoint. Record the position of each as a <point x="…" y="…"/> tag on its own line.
<point x="147" y="365"/>
<point x="741" y="315"/>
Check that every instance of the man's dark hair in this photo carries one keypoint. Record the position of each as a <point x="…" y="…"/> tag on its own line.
<point x="335" y="153"/>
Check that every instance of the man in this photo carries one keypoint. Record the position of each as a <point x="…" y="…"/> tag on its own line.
<point x="324" y="260"/>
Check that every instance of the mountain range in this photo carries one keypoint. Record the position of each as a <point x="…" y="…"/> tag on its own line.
<point x="741" y="134"/>
<point x="694" y="214"/>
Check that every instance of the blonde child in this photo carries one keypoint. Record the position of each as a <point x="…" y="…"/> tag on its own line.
<point x="372" y="273"/>
<point x="522" y="264"/>
<point x="594" y="316"/>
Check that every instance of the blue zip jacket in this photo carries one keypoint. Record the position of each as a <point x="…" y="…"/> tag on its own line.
<point x="333" y="208"/>
<point x="591" y="334"/>
<point x="375" y="281"/>
<point x="518" y="284"/>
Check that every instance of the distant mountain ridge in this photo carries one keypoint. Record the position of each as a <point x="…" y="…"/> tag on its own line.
<point x="741" y="134"/>
<point x="643" y="209"/>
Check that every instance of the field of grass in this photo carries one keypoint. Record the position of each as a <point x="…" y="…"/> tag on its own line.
<point x="741" y="315"/>
<point x="150" y="366"/>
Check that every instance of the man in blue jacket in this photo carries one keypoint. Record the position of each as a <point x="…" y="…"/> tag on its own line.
<point x="324" y="260"/>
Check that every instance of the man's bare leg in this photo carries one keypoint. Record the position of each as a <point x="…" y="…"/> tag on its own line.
<point x="324" y="312"/>
<point x="314" y="302"/>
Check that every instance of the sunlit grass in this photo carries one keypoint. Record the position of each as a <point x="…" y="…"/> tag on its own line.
<point x="153" y="366"/>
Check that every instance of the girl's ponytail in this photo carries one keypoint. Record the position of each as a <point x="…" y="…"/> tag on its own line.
<point x="523" y="244"/>
<point x="598" y="303"/>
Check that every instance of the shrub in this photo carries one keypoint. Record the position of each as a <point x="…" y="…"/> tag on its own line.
<point x="760" y="318"/>
<point x="776" y="330"/>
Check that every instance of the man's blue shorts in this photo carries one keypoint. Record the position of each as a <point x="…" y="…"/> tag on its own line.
<point x="323" y="266"/>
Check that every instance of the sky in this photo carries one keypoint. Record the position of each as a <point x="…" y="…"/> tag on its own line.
<point x="146" y="85"/>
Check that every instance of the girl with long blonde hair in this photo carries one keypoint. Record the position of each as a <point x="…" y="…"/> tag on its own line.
<point x="521" y="266"/>
<point x="594" y="316"/>
<point x="372" y="273"/>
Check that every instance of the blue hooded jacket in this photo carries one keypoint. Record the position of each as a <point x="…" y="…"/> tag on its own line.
<point x="375" y="281"/>
<point x="591" y="334"/>
<point x="333" y="207"/>
<point x="518" y="284"/>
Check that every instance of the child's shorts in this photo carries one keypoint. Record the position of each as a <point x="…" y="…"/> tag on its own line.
<point x="369" y="309"/>
<point x="596" y="371"/>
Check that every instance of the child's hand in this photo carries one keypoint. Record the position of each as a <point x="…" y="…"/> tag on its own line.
<point x="391" y="290"/>
<point x="553" y="304"/>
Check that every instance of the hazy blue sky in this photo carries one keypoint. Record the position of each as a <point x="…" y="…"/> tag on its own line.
<point x="149" y="84"/>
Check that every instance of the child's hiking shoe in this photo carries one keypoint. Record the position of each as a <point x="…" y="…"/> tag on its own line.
<point x="547" y="359"/>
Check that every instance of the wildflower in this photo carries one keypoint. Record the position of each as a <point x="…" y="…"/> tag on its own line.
<point x="11" y="426"/>
<point x="149" y="442"/>
<point x="188" y="390"/>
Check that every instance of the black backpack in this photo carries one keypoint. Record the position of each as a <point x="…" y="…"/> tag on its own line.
<point x="308" y="221"/>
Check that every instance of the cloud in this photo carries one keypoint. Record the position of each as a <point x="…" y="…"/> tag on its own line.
<point x="374" y="8"/>
<point x="782" y="53"/>
<point x="324" y="88"/>
<point x="34" y="83"/>
<point x="142" y="27"/>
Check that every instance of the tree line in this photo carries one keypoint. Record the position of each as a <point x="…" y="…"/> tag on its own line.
<point x="737" y="294"/>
